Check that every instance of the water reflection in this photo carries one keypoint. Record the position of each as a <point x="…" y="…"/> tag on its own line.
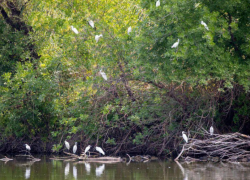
<point x="183" y="171"/>
<point x="75" y="172"/>
<point x="66" y="169"/>
<point x="47" y="169"/>
<point x="87" y="167"/>
<point x="27" y="172"/>
<point x="99" y="170"/>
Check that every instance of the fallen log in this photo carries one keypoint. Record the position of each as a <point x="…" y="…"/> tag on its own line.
<point x="101" y="159"/>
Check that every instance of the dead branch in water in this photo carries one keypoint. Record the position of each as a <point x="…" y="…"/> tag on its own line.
<point x="230" y="147"/>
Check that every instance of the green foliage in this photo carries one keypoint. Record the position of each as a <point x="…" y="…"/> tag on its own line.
<point x="153" y="91"/>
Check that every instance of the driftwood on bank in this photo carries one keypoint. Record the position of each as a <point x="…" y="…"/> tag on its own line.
<point x="30" y="157"/>
<point x="74" y="157"/>
<point x="6" y="159"/>
<point x="229" y="147"/>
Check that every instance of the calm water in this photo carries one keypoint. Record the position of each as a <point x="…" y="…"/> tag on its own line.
<point x="46" y="169"/>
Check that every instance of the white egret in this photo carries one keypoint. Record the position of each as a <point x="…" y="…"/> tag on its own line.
<point x="92" y="24"/>
<point x="205" y="25"/>
<point x="158" y="3"/>
<point x="27" y="147"/>
<point x="87" y="149"/>
<point x="104" y="75"/>
<point x="87" y="167"/>
<point x="176" y="44"/>
<point x="184" y="136"/>
<point x="211" y="130"/>
<point x="99" y="170"/>
<point x="67" y="144"/>
<point x="74" y="29"/>
<point x="129" y="29"/>
<point x="75" y="172"/>
<point x="27" y="173"/>
<point x="75" y="148"/>
<point x="100" y="150"/>
<point x="66" y="170"/>
<point x="97" y="37"/>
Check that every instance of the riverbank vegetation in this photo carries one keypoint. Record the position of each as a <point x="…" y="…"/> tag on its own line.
<point x="52" y="89"/>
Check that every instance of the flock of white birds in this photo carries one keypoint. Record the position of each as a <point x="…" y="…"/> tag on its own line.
<point x="98" y="149"/>
<point x="97" y="37"/>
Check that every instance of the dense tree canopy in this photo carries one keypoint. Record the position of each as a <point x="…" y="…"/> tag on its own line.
<point x="52" y="89"/>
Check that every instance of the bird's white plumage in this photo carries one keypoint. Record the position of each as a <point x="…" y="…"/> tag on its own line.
<point x="175" y="44"/>
<point x="104" y="75"/>
<point x="205" y="25"/>
<point x="100" y="150"/>
<point x="97" y="37"/>
<point x="91" y="23"/>
<point x="99" y="170"/>
<point x="67" y="144"/>
<point x="75" y="148"/>
<point x="158" y="3"/>
<point x="184" y="136"/>
<point x="87" y="149"/>
<point x="27" y="147"/>
<point x="129" y="29"/>
<point x="211" y="130"/>
<point x="74" y="29"/>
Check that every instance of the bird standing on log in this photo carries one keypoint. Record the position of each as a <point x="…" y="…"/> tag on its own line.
<point x="184" y="136"/>
<point x="87" y="149"/>
<point x="67" y="144"/>
<point x="211" y="130"/>
<point x="75" y="148"/>
<point x="100" y="150"/>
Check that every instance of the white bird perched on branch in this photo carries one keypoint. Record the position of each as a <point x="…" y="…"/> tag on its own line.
<point x="184" y="136"/>
<point x="75" y="148"/>
<point x="74" y="29"/>
<point x="27" y="147"/>
<point x="158" y="3"/>
<point x="67" y="144"/>
<point x="104" y="75"/>
<point x="87" y="149"/>
<point x="100" y="150"/>
<point x="97" y="37"/>
<point x="91" y="23"/>
<point x="211" y="130"/>
<point x="205" y="25"/>
<point x="175" y="44"/>
<point x="129" y="29"/>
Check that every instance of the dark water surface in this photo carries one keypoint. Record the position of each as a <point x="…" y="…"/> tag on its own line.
<point x="46" y="169"/>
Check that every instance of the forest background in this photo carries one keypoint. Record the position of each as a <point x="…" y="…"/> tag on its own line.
<point x="51" y="88"/>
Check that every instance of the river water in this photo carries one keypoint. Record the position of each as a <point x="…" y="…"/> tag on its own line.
<point x="46" y="169"/>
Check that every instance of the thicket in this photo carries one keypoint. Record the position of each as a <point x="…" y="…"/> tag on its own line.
<point x="51" y="88"/>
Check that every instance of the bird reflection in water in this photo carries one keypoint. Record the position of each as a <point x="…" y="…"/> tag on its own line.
<point x="99" y="170"/>
<point x="87" y="167"/>
<point x="27" y="173"/>
<point x="184" y="173"/>
<point x="75" y="172"/>
<point x="66" y="170"/>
